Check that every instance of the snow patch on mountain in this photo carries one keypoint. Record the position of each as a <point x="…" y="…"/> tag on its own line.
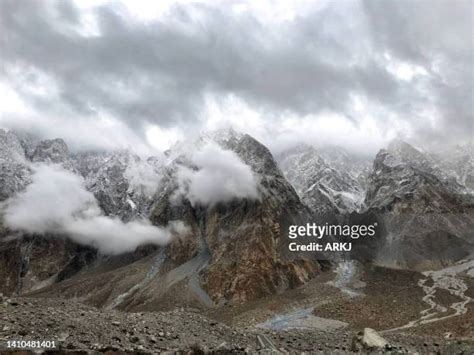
<point x="403" y="170"/>
<point x="321" y="187"/>
<point x="124" y="184"/>
<point x="14" y="170"/>
<point x="458" y="162"/>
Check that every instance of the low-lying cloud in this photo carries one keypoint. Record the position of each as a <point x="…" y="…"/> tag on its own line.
<point x="216" y="175"/>
<point x="143" y="176"/>
<point x="57" y="202"/>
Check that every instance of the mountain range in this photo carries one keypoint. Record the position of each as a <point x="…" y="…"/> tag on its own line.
<point x="235" y="201"/>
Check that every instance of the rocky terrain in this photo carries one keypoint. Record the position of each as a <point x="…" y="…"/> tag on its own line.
<point x="14" y="173"/>
<point x="427" y="217"/>
<point x="122" y="182"/>
<point x="322" y="183"/>
<point x="75" y="326"/>
<point x="281" y="323"/>
<point x="227" y="282"/>
<point x="458" y="162"/>
<point x="232" y="251"/>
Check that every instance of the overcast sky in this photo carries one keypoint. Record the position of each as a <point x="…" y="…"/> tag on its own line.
<point x="143" y="74"/>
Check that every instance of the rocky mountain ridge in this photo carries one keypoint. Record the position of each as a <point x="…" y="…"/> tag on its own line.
<point x="235" y="250"/>
<point x="326" y="182"/>
<point x="422" y="205"/>
<point x="14" y="172"/>
<point x="426" y="214"/>
<point x="243" y="237"/>
<point x="458" y="161"/>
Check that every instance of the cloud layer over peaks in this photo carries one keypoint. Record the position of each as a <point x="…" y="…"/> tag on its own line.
<point x="112" y="74"/>
<point x="57" y="202"/>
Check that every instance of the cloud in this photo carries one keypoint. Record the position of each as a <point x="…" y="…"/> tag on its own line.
<point x="117" y="73"/>
<point x="438" y="38"/>
<point x="143" y="176"/>
<point x="216" y="175"/>
<point x="57" y="202"/>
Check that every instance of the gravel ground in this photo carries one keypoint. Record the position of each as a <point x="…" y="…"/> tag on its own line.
<point x="78" y="328"/>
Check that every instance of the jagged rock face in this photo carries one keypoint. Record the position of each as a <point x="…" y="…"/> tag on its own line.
<point x="52" y="151"/>
<point x="14" y="172"/>
<point x="401" y="172"/>
<point x="233" y="251"/>
<point x="322" y="188"/>
<point x="87" y="163"/>
<point x="11" y="149"/>
<point x="458" y="161"/>
<point x="28" y="142"/>
<point x="264" y="267"/>
<point x="123" y="183"/>
<point x="427" y="218"/>
<point x="28" y="263"/>
<point x="357" y="166"/>
<point x="242" y="244"/>
<point x="463" y="165"/>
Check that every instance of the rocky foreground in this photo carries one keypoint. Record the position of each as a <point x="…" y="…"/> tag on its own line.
<point x="78" y="328"/>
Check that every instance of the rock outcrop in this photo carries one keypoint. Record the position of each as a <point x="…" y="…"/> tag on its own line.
<point x="426" y="217"/>
<point x="53" y="151"/>
<point x="368" y="340"/>
<point x="14" y="170"/>
<point x="236" y="251"/>
<point x="123" y="183"/>
<point x="325" y="190"/>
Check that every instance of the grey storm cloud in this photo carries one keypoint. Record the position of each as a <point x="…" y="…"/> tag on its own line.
<point x="437" y="35"/>
<point x="160" y="71"/>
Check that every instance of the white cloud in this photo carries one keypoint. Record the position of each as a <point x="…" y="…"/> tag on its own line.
<point x="162" y="139"/>
<point x="404" y="70"/>
<point x="57" y="202"/>
<point x="11" y="102"/>
<point x="101" y="133"/>
<point x="217" y="176"/>
<point x="143" y="176"/>
<point x="365" y="134"/>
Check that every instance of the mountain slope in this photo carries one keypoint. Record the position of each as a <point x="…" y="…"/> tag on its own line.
<point x="325" y="190"/>
<point x="124" y="184"/>
<point x="246" y="239"/>
<point x="14" y="171"/>
<point x="426" y="217"/>
<point x="233" y="250"/>
<point x="458" y="161"/>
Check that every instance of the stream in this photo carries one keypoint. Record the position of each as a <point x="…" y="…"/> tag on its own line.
<point x="445" y="279"/>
